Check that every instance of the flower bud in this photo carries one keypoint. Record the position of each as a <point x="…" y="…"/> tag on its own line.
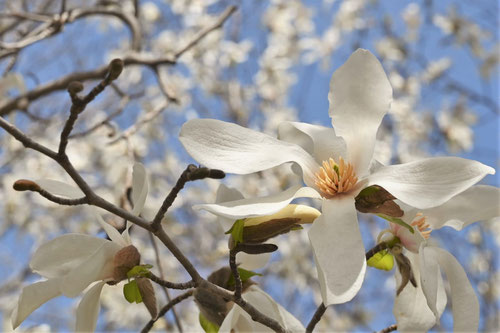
<point x="115" y="69"/>
<point x="26" y="185"/>
<point x="75" y="87"/>
<point x="124" y="260"/>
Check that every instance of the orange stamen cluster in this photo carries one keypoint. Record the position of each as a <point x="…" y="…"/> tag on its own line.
<point x="334" y="178"/>
<point x="423" y="227"/>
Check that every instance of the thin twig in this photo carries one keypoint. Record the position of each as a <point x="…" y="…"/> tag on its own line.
<point x="236" y="275"/>
<point x="316" y="317"/>
<point x="391" y="328"/>
<point x="171" y="285"/>
<point x="166" y="308"/>
<point x="191" y="173"/>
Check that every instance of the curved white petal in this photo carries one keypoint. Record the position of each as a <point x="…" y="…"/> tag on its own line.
<point x="252" y="261"/>
<point x="319" y="141"/>
<point x="464" y="301"/>
<point x="410" y="307"/>
<point x="411" y="241"/>
<point x="478" y="203"/>
<point x="62" y="254"/>
<point x="111" y="231"/>
<point x="139" y="188"/>
<point x="429" y="182"/>
<point x="59" y="188"/>
<point x="430" y="275"/>
<point x="32" y="297"/>
<point x="225" y="194"/>
<point x="88" y="309"/>
<point x="98" y="266"/>
<point x="238" y="321"/>
<point x="235" y="149"/>
<point x="338" y="250"/>
<point x="258" y="206"/>
<point x="360" y="95"/>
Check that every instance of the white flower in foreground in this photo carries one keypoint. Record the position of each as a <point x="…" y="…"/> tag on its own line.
<point x="419" y="309"/>
<point x="335" y="166"/>
<point x="72" y="262"/>
<point x="230" y="196"/>
<point x="239" y="321"/>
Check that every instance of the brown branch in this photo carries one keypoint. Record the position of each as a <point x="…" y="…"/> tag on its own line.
<point x="236" y="274"/>
<point x="191" y="173"/>
<point x="166" y="308"/>
<point x="316" y="318"/>
<point x="171" y="285"/>
<point x="391" y="328"/>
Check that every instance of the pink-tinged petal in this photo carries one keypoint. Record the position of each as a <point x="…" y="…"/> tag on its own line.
<point x="235" y="149"/>
<point x="62" y="254"/>
<point x="464" y="303"/>
<point x="411" y="241"/>
<point x="478" y="203"/>
<point x="99" y="266"/>
<point x="410" y="306"/>
<point x="88" y="309"/>
<point x="430" y="274"/>
<point x="360" y="95"/>
<point x="32" y="297"/>
<point x="252" y="261"/>
<point x="139" y="188"/>
<point x="111" y="231"/>
<point x="59" y="188"/>
<point x="338" y="250"/>
<point x="319" y="141"/>
<point x="238" y="320"/>
<point x="429" y="182"/>
<point x="252" y="207"/>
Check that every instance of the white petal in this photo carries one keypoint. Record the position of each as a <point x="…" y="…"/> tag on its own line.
<point x="62" y="254"/>
<point x="235" y="149"/>
<point x="429" y="182"/>
<point x="111" y="231"/>
<point x="319" y="141"/>
<point x="411" y="241"/>
<point x="59" y="188"/>
<point x="225" y="193"/>
<point x="32" y="297"/>
<point x="360" y="96"/>
<point x="338" y="250"/>
<point x="259" y="206"/>
<point x="430" y="275"/>
<point x="139" y="188"/>
<point x="240" y="321"/>
<point x="99" y="266"/>
<point x="252" y="261"/>
<point x="464" y="301"/>
<point x="88" y="309"/>
<point x="410" y="307"/>
<point x="478" y="203"/>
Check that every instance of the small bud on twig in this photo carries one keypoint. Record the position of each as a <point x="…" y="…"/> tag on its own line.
<point x="75" y="87"/>
<point x="26" y="185"/>
<point x="115" y="69"/>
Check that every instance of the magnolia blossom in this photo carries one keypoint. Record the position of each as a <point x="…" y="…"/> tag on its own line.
<point x="419" y="309"/>
<point x="229" y="196"/>
<point x="238" y="320"/>
<point x="72" y="262"/>
<point x="335" y="165"/>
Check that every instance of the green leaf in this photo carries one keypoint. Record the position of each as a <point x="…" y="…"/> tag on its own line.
<point x="131" y="292"/>
<point x="397" y="221"/>
<point x="244" y="275"/>
<point x="368" y="191"/>
<point x="207" y="325"/>
<point x="382" y="260"/>
<point x="237" y="231"/>
<point x="139" y="270"/>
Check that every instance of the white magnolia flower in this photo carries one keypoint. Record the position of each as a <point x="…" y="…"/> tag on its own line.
<point x="239" y="321"/>
<point x="335" y="165"/>
<point x="419" y="309"/>
<point x="230" y="196"/>
<point x="73" y="262"/>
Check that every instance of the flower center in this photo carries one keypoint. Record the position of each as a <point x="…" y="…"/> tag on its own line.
<point x="333" y="178"/>
<point x="423" y="227"/>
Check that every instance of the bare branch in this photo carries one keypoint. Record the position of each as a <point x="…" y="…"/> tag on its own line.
<point x="391" y="328"/>
<point x="171" y="285"/>
<point x="236" y="275"/>
<point x="316" y="318"/>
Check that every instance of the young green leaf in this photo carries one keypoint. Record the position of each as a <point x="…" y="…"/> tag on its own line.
<point x="207" y="325"/>
<point x="237" y="231"/>
<point x="132" y="293"/>
<point x="397" y="221"/>
<point x="139" y="270"/>
<point x="382" y="260"/>
<point x="244" y="275"/>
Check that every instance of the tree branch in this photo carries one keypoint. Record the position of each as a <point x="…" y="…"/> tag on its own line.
<point x="316" y="318"/>
<point x="236" y="275"/>
<point x="171" y="285"/>
<point x="391" y="328"/>
<point x="166" y="308"/>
